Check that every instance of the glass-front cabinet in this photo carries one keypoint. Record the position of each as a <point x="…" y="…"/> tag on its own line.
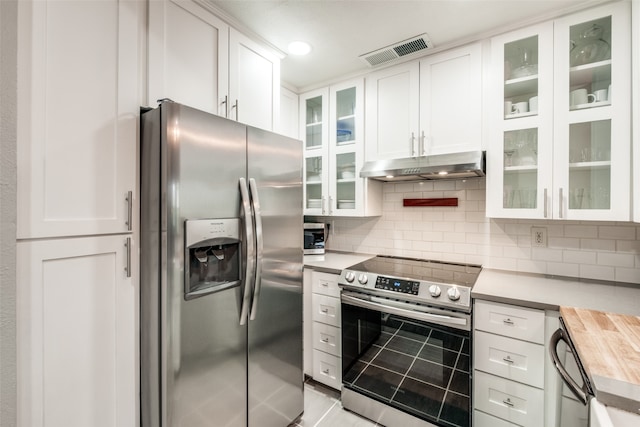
<point x="561" y="141"/>
<point x="521" y="144"/>
<point x="334" y="151"/>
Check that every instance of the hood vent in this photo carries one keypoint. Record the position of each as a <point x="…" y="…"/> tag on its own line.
<point x="397" y="50"/>
<point x="468" y="164"/>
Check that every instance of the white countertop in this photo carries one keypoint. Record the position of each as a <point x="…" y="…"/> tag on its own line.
<point x="551" y="292"/>
<point x="334" y="262"/>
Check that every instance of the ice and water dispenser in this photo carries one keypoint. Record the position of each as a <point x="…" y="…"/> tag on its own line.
<point x="212" y="255"/>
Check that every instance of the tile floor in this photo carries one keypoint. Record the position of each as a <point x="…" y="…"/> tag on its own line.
<point x="322" y="408"/>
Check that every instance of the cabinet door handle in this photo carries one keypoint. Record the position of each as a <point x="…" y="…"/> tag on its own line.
<point x="422" y="151"/>
<point x="236" y="108"/>
<point x="413" y="144"/>
<point x="127" y="268"/>
<point x="323" y="205"/>
<point x="226" y="106"/>
<point x="545" y="203"/>
<point x="330" y="205"/>
<point x="129" y="200"/>
<point x="560" y="203"/>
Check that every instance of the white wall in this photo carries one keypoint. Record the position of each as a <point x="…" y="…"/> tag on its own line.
<point x="586" y="249"/>
<point x="8" y="135"/>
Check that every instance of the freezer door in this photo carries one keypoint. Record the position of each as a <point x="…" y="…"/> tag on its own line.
<point x="194" y="350"/>
<point x="275" y="328"/>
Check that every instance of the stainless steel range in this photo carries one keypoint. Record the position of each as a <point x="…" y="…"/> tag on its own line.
<point x="406" y="331"/>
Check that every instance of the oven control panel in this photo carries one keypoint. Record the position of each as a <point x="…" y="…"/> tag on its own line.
<point x="397" y="285"/>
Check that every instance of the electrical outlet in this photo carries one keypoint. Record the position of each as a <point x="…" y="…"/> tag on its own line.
<point x="539" y="237"/>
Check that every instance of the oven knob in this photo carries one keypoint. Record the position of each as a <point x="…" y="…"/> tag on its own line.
<point x="363" y="279"/>
<point x="454" y="294"/>
<point x="350" y="276"/>
<point x="435" y="291"/>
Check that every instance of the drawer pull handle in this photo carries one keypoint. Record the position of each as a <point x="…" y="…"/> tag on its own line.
<point x="325" y="371"/>
<point x="508" y="359"/>
<point x="324" y="310"/>
<point x="508" y="402"/>
<point x="507" y="321"/>
<point x="324" y="284"/>
<point x="324" y="339"/>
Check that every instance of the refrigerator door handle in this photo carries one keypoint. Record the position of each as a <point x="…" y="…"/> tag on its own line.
<point x="255" y="201"/>
<point x="250" y="244"/>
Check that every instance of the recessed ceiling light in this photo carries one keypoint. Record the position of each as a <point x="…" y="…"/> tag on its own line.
<point x="299" y="48"/>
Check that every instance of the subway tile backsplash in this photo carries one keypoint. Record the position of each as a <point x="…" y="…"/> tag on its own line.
<point x="586" y="249"/>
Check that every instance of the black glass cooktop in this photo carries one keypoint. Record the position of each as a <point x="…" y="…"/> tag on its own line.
<point x="421" y="270"/>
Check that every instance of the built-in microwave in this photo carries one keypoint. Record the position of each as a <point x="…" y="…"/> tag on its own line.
<point x="315" y="236"/>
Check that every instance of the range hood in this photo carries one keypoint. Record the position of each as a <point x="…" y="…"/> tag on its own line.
<point x="468" y="164"/>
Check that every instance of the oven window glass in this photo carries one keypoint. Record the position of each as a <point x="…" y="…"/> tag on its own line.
<point x="413" y="366"/>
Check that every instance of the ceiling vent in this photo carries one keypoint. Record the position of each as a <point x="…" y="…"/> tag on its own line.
<point x="406" y="47"/>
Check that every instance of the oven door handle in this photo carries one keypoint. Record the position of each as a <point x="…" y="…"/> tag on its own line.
<point x="581" y="393"/>
<point x="427" y="317"/>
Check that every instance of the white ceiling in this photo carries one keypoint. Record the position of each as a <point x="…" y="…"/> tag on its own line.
<point x="339" y="31"/>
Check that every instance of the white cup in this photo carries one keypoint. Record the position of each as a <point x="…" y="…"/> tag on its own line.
<point x="580" y="96"/>
<point x="520" y="107"/>
<point x="601" y="95"/>
<point x="508" y="107"/>
<point x="533" y="104"/>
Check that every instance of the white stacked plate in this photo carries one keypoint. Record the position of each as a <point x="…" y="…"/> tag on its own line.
<point x="314" y="203"/>
<point x="346" y="204"/>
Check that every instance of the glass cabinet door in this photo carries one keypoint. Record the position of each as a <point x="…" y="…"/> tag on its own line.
<point x="314" y="112"/>
<point x="313" y="122"/>
<point x="313" y="188"/>
<point x="521" y="153"/>
<point x="592" y="172"/>
<point x="345" y="117"/>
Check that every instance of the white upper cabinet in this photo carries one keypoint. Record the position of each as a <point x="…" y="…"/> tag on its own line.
<point x="392" y="112"/>
<point x="78" y="112"/>
<point x="561" y="119"/>
<point x="188" y="56"/>
<point x="289" y="114"/>
<point x="197" y="59"/>
<point x="451" y="101"/>
<point x="429" y="107"/>
<point x="332" y="129"/>
<point x="254" y="83"/>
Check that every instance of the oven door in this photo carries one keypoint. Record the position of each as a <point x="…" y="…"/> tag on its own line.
<point x="412" y="359"/>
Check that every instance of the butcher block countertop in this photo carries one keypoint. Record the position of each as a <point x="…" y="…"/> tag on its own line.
<point x="608" y="346"/>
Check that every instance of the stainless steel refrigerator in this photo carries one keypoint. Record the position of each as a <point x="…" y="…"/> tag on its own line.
<point x="221" y="272"/>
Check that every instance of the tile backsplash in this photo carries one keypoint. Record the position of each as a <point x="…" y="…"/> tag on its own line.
<point x="585" y="249"/>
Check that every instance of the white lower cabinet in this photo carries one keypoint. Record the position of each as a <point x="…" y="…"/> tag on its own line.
<point x="509" y="365"/>
<point x="77" y="338"/>
<point x="515" y="402"/>
<point x="326" y="335"/>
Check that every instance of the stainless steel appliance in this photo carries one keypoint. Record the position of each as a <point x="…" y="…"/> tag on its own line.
<point x="565" y="361"/>
<point x="315" y="237"/>
<point x="406" y="331"/>
<point x="221" y="272"/>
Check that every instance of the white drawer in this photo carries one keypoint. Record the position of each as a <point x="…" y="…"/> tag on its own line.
<point x="509" y="320"/>
<point x="327" y="369"/>
<point x="480" y="419"/>
<point x="509" y="400"/>
<point x="516" y="360"/>
<point x="326" y="309"/>
<point x="325" y="284"/>
<point x="327" y="338"/>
